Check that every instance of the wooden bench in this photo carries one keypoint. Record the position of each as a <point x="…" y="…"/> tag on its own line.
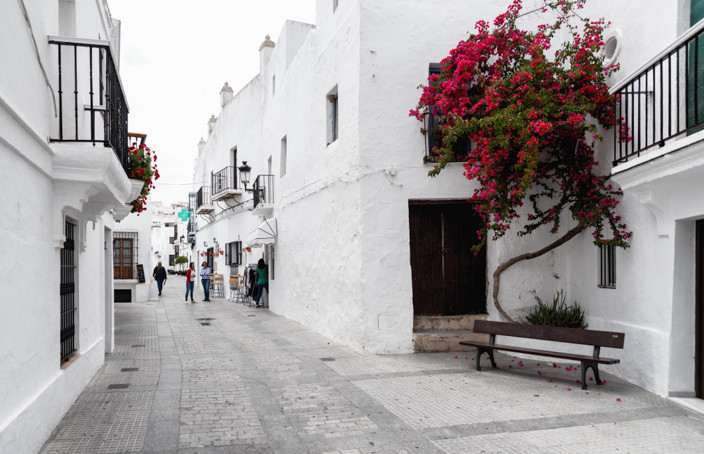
<point x="597" y="339"/>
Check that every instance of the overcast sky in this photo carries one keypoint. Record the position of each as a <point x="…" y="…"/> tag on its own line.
<point x="175" y="58"/>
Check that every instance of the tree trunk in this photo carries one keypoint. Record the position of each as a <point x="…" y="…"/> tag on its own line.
<point x="530" y="255"/>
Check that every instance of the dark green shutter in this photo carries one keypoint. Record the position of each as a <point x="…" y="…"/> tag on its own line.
<point x="695" y="71"/>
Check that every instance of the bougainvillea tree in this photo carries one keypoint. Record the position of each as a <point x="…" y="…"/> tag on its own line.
<point x="143" y="167"/>
<point x="533" y="116"/>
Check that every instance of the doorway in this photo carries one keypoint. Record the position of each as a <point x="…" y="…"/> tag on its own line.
<point x="448" y="278"/>
<point x="699" y="349"/>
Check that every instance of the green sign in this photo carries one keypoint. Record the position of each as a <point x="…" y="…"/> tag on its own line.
<point x="184" y="214"/>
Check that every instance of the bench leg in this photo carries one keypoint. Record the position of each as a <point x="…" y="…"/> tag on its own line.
<point x="481" y="351"/>
<point x="595" y="368"/>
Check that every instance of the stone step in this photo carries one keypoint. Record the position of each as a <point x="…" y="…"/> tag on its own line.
<point x="445" y="322"/>
<point x="445" y="341"/>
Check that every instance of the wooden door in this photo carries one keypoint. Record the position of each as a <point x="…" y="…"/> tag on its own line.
<point x="699" y="332"/>
<point x="448" y="279"/>
<point x="122" y="259"/>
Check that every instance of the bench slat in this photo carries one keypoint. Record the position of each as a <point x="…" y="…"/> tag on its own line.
<point x="532" y="351"/>
<point x="551" y="333"/>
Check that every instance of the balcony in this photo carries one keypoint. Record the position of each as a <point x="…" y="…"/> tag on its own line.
<point x="204" y="204"/>
<point x="661" y="103"/>
<point x="92" y="107"/>
<point x="263" y="195"/>
<point x="224" y="184"/>
<point x="89" y="136"/>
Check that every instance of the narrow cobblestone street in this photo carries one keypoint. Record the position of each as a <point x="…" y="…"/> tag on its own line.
<point x="221" y="377"/>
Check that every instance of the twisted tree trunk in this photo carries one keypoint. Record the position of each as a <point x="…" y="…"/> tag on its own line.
<point x="530" y="255"/>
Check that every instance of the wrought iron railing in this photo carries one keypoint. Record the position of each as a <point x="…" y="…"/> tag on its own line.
<point x="203" y="197"/>
<point x="662" y="99"/>
<point x="263" y="190"/>
<point x="224" y="179"/>
<point x="91" y="102"/>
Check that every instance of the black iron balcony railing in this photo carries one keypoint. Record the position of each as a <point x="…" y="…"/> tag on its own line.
<point x="263" y="190"/>
<point x="192" y="202"/>
<point x="663" y="99"/>
<point x="203" y="197"/>
<point x="224" y="180"/>
<point x="91" y="102"/>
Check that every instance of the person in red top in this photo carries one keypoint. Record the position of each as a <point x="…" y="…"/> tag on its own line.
<point x="190" y="280"/>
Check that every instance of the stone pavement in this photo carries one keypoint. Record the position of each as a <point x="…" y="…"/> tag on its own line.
<point x="221" y="377"/>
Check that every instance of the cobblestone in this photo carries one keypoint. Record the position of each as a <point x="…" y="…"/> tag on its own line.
<point x="255" y="382"/>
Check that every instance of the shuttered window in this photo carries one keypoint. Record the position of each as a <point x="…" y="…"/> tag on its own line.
<point x="695" y="69"/>
<point x="233" y="253"/>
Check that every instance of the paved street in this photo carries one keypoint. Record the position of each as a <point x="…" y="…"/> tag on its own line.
<point x="221" y="377"/>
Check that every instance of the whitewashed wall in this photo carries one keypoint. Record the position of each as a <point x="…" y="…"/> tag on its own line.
<point x="35" y="178"/>
<point x="342" y="252"/>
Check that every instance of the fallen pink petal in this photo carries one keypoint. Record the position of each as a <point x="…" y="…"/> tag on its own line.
<point x="618" y="399"/>
<point x="540" y="373"/>
<point x="569" y="389"/>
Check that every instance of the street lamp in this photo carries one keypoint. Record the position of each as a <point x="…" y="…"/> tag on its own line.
<point x="245" y="172"/>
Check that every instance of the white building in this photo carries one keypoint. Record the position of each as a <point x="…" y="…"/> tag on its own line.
<point x="169" y="235"/>
<point x="64" y="185"/>
<point x="360" y="242"/>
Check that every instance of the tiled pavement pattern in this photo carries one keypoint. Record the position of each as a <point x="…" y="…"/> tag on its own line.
<point x="220" y="377"/>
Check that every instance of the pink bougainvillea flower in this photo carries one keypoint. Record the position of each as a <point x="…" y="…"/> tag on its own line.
<point x="586" y="392"/>
<point x="554" y="365"/>
<point x="569" y="389"/>
<point x="618" y="399"/>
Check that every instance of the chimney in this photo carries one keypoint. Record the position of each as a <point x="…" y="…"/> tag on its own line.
<point x="265" y="51"/>
<point x="226" y="94"/>
<point x="201" y="145"/>
<point x="211" y="123"/>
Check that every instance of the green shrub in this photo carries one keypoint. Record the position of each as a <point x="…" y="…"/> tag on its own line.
<point x="557" y="313"/>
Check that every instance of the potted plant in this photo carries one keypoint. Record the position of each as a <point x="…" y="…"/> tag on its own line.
<point x="142" y="162"/>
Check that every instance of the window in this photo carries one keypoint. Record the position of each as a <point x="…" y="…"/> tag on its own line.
<point x="124" y="252"/>
<point x="332" y="116"/>
<point x="172" y="258"/>
<point x="284" y="146"/>
<point x="433" y="138"/>
<point x="233" y="253"/>
<point x="607" y="266"/>
<point x="67" y="291"/>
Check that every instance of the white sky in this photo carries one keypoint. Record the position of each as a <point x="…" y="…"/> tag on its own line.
<point x="175" y="58"/>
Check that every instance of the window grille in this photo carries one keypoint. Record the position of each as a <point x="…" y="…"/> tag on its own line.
<point x="68" y="293"/>
<point x="607" y="266"/>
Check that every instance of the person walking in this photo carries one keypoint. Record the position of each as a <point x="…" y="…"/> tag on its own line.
<point x="159" y="275"/>
<point x="205" y="279"/>
<point x="262" y="280"/>
<point x="190" y="280"/>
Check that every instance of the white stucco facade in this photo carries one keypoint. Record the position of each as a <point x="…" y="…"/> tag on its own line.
<point x="341" y="257"/>
<point x="46" y="184"/>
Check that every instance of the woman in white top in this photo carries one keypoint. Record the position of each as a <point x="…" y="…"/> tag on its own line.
<point x="205" y="279"/>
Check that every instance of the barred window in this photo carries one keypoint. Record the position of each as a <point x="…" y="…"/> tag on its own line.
<point x="607" y="266"/>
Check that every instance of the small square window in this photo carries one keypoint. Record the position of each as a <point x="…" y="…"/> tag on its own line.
<point x="607" y="266"/>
